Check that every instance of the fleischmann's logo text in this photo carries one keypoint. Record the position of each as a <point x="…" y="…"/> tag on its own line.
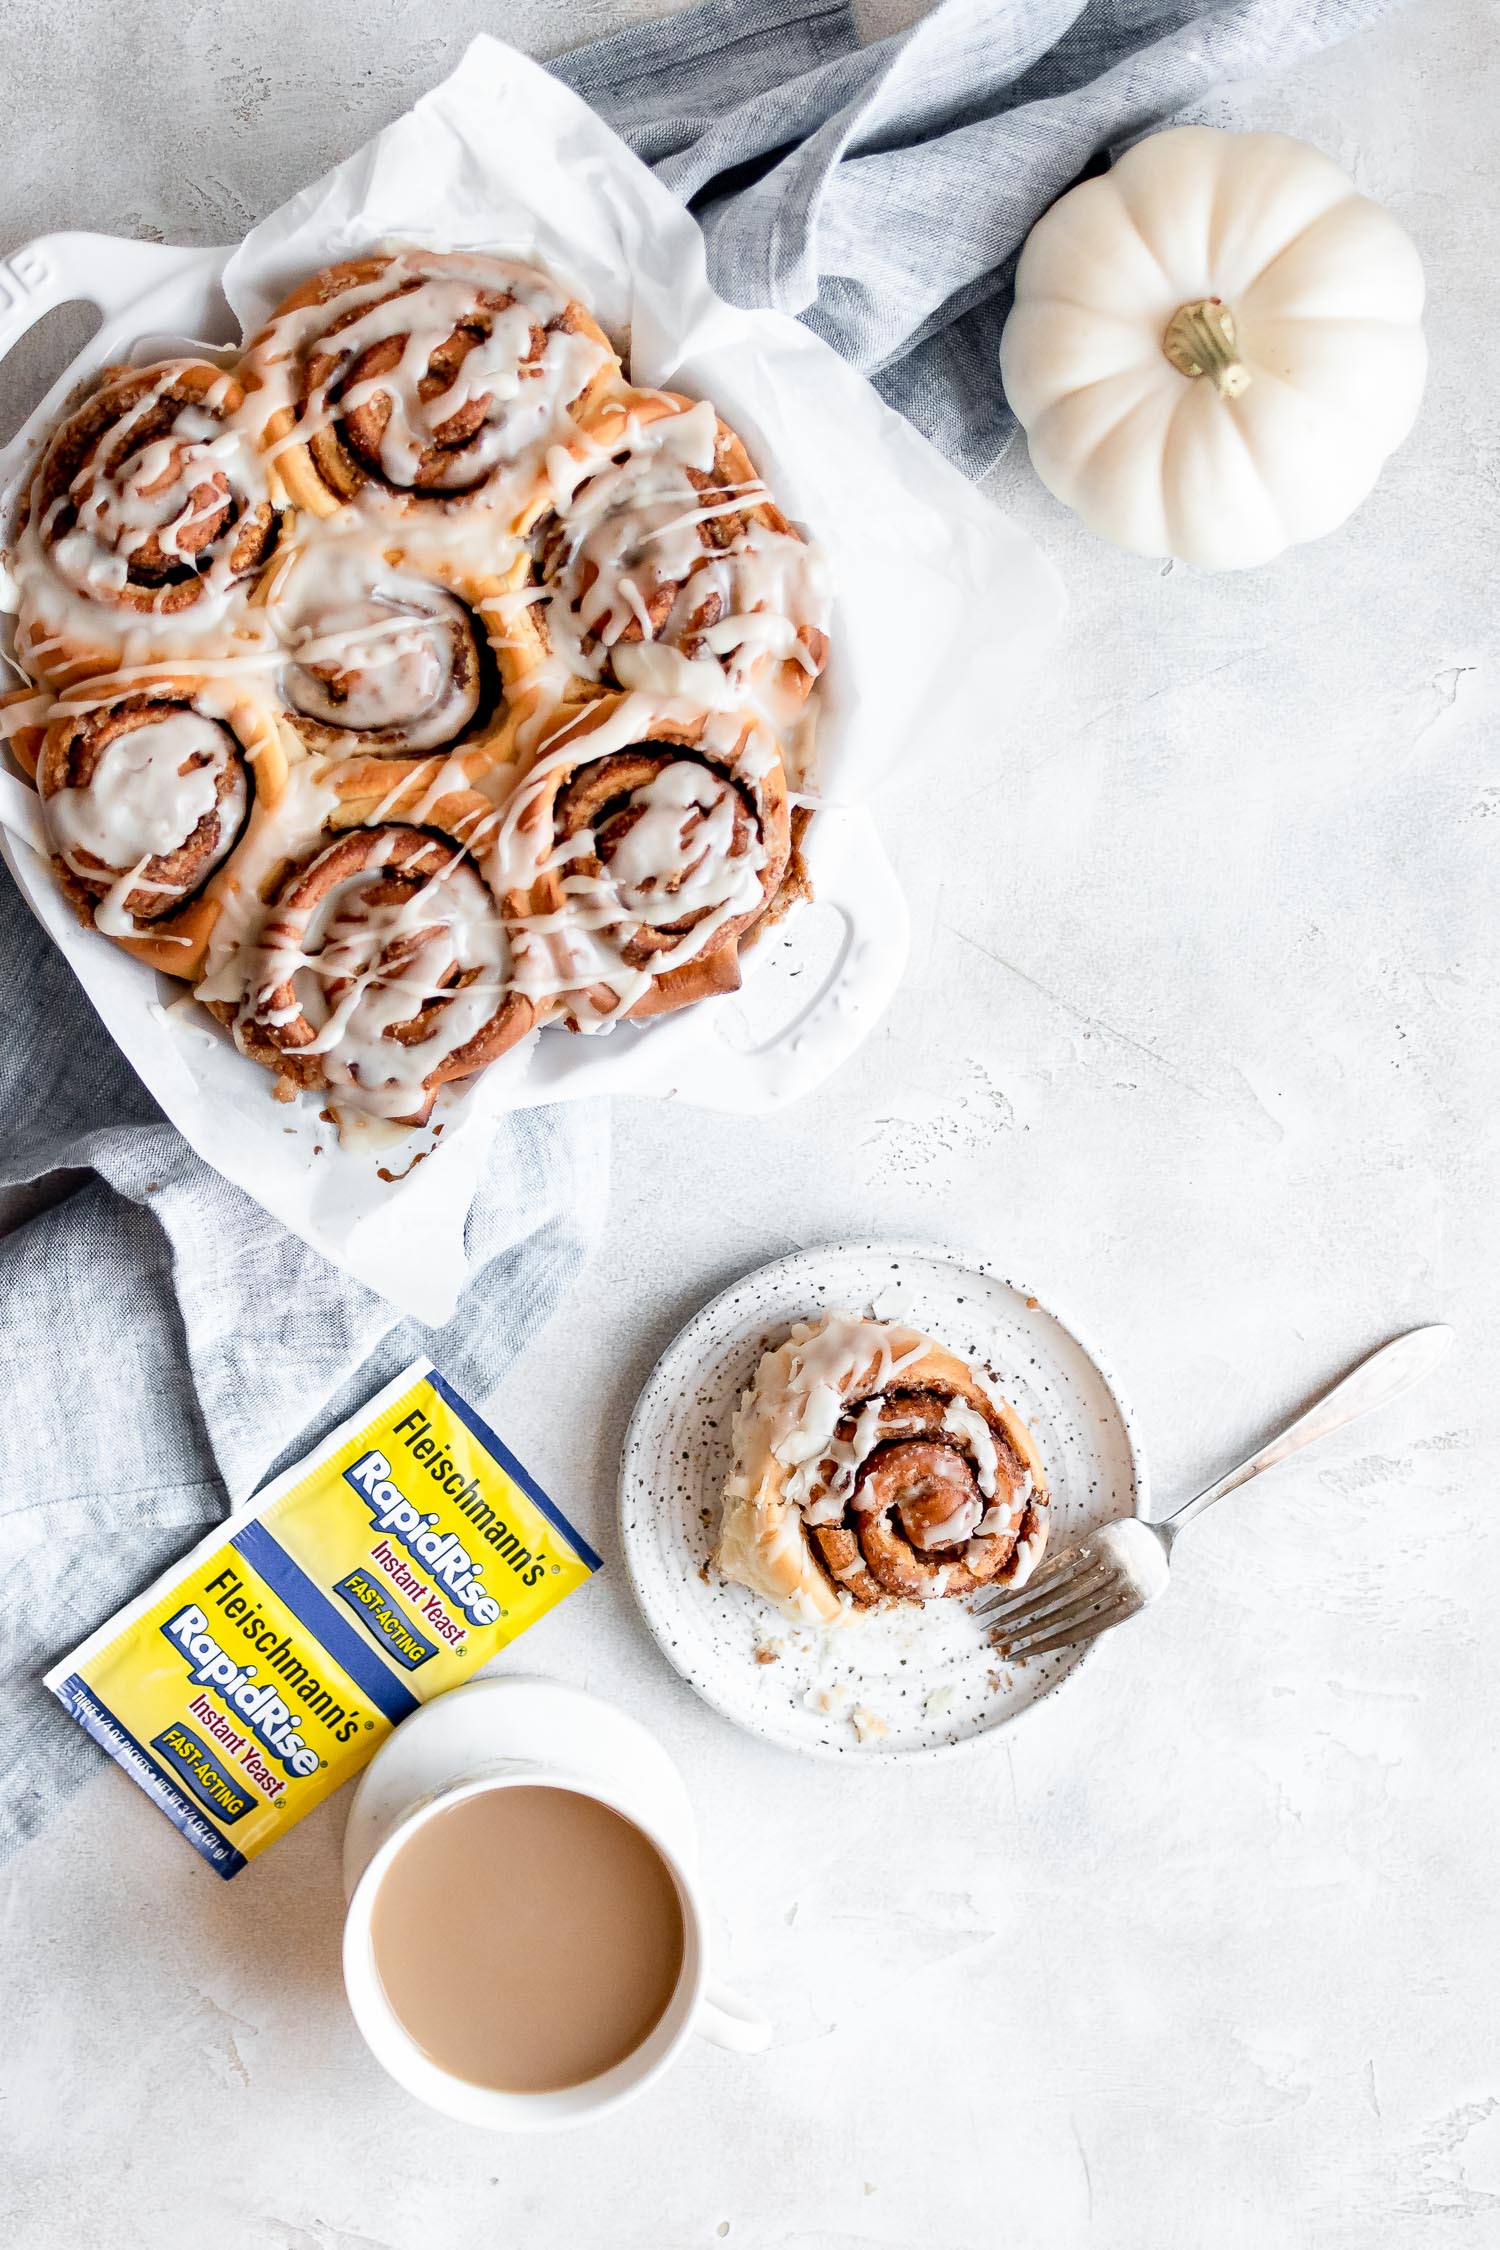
<point x="240" y="1688"/>
<point x="443" y="1555"/>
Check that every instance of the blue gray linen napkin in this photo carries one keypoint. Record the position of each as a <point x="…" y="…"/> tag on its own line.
<point x="164" y="1344"/>
<point x="883" y="193"/>
<point x="162" y="1341"/>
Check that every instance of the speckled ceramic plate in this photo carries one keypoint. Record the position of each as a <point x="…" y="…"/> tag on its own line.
<point x="928" y="1677"/>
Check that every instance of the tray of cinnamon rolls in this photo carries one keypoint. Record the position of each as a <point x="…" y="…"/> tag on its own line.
<point x="454" y="649"/>
<point x="414" y="681"/>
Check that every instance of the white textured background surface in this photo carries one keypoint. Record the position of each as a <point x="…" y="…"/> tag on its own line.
<point x="1201" y="1034"/>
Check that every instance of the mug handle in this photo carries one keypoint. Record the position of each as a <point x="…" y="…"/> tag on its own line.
<point x="728" y="2021"/>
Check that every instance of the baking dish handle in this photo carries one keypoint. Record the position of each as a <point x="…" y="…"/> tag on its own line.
<point x="709" y="1057"/>
<point x="853" y="879"/>
<point x="99" y="269"/>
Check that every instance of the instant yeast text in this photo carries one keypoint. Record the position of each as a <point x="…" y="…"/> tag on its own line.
<point x="266" y="1667"/>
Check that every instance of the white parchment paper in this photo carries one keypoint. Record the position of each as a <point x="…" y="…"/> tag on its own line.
<point x="936" y="595"/>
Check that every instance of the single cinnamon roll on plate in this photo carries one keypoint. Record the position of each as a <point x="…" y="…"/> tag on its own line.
<point x="766" y="1393"/>
<point x="639" y="854"/>
<point x="422" y="390"/>
<point x="145" y="522"/>
<point x="665" y="565"/>
<point x="147" y="784"/>
<point x="872" y="1466"/>
<point x="381" y="966"/>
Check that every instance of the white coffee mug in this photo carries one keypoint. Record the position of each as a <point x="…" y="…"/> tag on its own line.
<point x="502" y="1733"/>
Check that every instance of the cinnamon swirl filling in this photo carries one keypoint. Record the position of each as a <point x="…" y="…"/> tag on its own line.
<point x="383" y="966"/>
<point x="656" y="858"/>
<point x="143" y="799"/>
<point x="425" y="378"/>
<point x="872" y="1465"/>
<point x="149" y="503"/>
<point x="379" y="660"/>
<point x="928" y="1497"/>
<point x="663" y="839"/>
<point x="670" y="568"/>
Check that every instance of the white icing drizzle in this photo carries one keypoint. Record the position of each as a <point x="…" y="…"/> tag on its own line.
<point x="129" y="502"/>
<point x="846" y="1455"/>
<point x="793" y="1410"/>
<point x="655" y="669"/>
<point x="625" y="553"/>
<point x="369" y="667"/>
<point x="482" y="438"/>
<point x="362" y="967"/>
<point x="680" y="849"/>
<point x="307" y="802"/>
<point x="961" y="1523"/>
<point x="372" y="649"/>
<point x="677" y="859"/>
<point x="21" y="712"/>
<point x="1030" y="1546"/>
<point x="1003" y="1512"/>
<point x="978" y="1441"/>
<point x="148" y="792"/>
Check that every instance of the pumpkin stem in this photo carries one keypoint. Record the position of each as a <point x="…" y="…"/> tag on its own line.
<point x="1200" y="340"/>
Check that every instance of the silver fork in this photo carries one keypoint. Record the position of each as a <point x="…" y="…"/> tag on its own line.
<point x="1114" y="1572"/>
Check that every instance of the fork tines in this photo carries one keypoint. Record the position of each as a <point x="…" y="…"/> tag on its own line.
<point x="1068" y="1602"/>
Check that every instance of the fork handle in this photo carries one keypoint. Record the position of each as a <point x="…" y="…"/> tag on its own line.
<point x="1375" y="1382"/>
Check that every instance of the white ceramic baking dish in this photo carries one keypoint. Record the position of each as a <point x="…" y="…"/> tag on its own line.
<point x="752" y="1056"/>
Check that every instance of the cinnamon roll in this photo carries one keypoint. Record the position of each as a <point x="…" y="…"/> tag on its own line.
<point x="146" y="787"/>
<point x="666" y="566"/>
<point x="638" y="855"/>
<point x="147" y="516"/>
<point x="872" y="1466"/>
<point x="380" y="967"/>
<point x="423" y="390"/>
<point x="377" y="660"/>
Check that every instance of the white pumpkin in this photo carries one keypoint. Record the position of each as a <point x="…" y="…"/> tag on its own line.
<point x="1214" y="346"/>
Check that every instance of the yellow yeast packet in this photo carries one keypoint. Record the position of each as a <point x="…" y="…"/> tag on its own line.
<point x="271" y="1662"/>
